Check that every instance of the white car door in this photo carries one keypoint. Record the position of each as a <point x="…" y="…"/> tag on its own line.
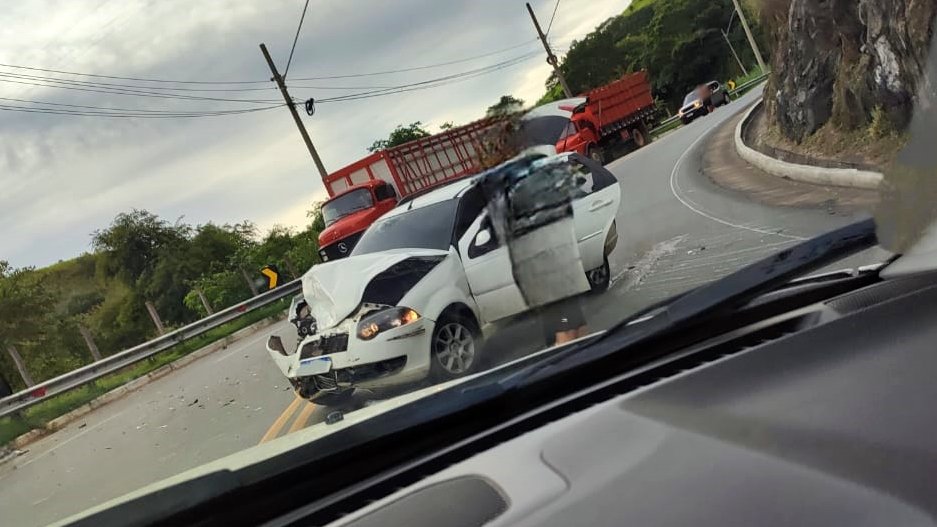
<point x="487" y="266"/>
<point x="594" y="207"/>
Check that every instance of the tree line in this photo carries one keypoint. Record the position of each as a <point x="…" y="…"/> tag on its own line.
<point x="139" y="258"/>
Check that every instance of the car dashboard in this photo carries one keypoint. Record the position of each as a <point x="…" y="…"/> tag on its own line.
<point x="823" y="415"/>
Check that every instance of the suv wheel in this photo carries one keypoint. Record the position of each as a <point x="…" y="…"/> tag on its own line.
<point x="455" y="349"/>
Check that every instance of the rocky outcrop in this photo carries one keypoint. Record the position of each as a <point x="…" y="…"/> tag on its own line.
<point x="840" y="60"/>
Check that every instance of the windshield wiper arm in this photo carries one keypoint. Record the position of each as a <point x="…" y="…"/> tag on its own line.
<point x="723" y="295"/>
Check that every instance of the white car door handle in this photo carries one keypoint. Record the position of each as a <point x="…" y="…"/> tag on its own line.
<point x="596" y="205"/>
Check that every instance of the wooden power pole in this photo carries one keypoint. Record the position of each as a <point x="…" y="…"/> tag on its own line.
<point x="551" y="58"/>
<point x="292" y="106"/>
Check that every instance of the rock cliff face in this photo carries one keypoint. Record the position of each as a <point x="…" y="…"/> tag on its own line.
<point x="838" y="60"/>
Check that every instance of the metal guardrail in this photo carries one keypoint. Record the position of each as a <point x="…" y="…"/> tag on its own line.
<point x="95" y="370"/>
<point x="670" y="120"/>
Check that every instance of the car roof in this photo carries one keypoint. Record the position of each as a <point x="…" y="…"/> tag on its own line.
<point x="455" y="189"/>
<point x="444" y="192"/>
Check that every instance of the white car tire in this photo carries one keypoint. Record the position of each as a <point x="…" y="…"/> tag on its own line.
<point x="455" y="348"/>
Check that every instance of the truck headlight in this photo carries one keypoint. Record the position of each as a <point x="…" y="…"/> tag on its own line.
<point x="394" y="317"/>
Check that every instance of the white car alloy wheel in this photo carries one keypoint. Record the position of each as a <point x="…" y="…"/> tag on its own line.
<point x="454" y="348"/>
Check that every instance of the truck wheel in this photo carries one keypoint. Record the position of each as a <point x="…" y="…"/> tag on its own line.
<point x="455" y="348"/>
<point x="596" y="154"/>
<point x="640" y="137"/>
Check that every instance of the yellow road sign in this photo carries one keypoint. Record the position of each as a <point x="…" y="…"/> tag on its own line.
<point x="271" y="275"/>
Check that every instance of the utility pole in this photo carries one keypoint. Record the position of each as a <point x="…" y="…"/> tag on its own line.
<point x="734" y="54"/>
<point x="751" y="38"/>
<point x="551" y="58"/>
<point x="292" y="107"/>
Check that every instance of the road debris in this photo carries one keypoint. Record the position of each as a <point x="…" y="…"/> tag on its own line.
<point x="194" y="402"/>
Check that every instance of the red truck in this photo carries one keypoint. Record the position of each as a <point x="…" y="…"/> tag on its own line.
<point x="366" y="189"/>
<point x="616" y="113"/>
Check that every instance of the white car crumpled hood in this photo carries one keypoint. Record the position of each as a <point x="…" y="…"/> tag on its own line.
<point x="333" y="290"/>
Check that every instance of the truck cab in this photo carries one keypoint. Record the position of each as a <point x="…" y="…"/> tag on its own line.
<point x="349" y="213"/>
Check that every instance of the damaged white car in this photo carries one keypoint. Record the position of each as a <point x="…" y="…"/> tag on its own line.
<point x="413" y="298"/>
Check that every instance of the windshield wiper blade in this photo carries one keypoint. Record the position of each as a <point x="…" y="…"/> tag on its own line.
<point x="717" y="298"/>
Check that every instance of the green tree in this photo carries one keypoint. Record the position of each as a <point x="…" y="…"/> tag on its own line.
<point x="678" y="42"/>
<point x="402" y="134"/>
<point x="446" y="126"/>
<point x="25" y="305"/>
<point x="129" y="247"/>
<point x="507" y="104"/>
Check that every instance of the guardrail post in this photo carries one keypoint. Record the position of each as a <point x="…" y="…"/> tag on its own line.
<point x="250" y="283"/>
<point x="289" y="267"/>
<point x="155" y="316"/>
<point x="92" y="347"/>
<point x="20" y="365"/>
<point x="205" y="303"/>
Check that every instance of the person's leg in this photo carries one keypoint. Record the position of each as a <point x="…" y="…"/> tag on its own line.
<point x="566" y="320"/>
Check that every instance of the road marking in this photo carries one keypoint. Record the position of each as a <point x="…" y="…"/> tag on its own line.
<point x="278" y="425"/>
<point x="690" y="205"/>
<point x="302" y="418"/>
<point x="69" y="440"/>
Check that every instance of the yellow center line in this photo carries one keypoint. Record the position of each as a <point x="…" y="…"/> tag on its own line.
<point x="300" y="421"/>
<point x="277" y="425"/>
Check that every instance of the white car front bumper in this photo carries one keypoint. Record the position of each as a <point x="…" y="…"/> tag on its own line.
<point x="392" y="358"/>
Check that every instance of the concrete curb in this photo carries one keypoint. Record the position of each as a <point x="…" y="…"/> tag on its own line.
<point x="838" y="177"/>
<point x="59" y="422"/>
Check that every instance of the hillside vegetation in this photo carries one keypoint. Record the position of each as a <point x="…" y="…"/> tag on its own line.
<point x="679" y="43"/>
<point x="138" y="258"/>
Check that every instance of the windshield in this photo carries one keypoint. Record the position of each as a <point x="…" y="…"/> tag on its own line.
<point x="346" y="204"/>
<point x="167" y="172"/>
<point x="428" y="227"/>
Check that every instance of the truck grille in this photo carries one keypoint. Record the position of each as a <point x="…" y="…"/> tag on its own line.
<point x="324" y="346"/>
<point x="340" y="248"/>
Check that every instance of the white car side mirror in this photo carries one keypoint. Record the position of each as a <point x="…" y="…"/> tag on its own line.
<point x="482" y="238"/>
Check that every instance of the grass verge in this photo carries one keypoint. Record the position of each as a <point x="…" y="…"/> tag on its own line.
<point x="38" y="415"/>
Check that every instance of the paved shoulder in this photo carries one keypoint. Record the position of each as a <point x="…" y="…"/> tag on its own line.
<point x="723" y="166"/>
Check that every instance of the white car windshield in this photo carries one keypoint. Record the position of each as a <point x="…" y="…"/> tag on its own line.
<point x="428" y="227"/>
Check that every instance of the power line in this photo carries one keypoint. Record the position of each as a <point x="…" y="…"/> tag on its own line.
<point x="435" y="83"/>
<point x="216" y="82"/>
<point x="417" y="68"/>
<point x="483" y="70"/>
<point x="130" y="110"/>
<point x="96" y="84"/>
<point x="92" y="113"/>
<point x="139" y="79"/>
<point x="73" y="85"/>
<point x="550" y="25"/>
<point x="300" y="26"/>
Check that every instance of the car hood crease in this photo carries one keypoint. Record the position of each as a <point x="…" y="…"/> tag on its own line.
<point x="333" y="290"/>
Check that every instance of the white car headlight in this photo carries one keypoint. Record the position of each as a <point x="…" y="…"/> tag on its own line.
<point x="394" y="317"/>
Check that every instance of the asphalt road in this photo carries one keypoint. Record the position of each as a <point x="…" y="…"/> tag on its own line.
<point x="676" y="231"/>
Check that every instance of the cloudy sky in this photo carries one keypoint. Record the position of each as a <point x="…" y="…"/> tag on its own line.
<point x="63" y="176"/>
